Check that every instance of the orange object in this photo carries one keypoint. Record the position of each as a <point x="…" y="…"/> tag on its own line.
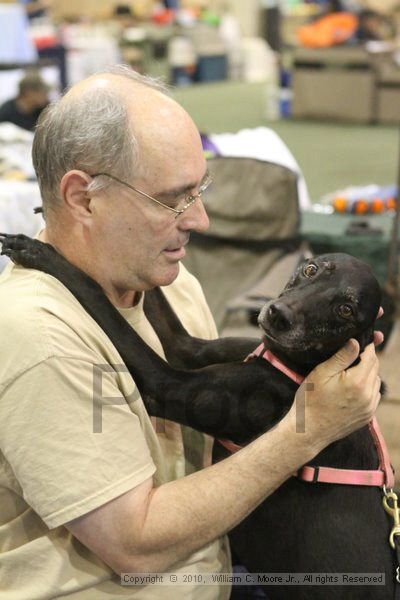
<point x="328" y="31"/>
<point x="361" y="207"/>
<point x="164" y="16"/>
<point x="340" y="204"/>
<point x="391" y="204"/>
<point x="377" y="205"/>
<point x="48" y="41"/>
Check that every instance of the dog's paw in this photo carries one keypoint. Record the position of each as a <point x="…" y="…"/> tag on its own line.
<point x="25" y="251"/>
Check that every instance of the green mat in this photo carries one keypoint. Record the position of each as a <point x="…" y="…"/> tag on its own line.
<point x="367" y="238"/>
<point x="331" y="155"/>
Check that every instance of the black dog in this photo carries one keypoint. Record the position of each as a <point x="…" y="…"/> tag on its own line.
<point x="301" y="528"/>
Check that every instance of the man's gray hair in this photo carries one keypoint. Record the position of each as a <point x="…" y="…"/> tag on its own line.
<point x="92" y="132"/>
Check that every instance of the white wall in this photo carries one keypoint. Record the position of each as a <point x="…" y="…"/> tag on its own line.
<point x="246" y="11"/>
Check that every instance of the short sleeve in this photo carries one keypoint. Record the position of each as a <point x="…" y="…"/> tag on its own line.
<point x="70" y="450"/>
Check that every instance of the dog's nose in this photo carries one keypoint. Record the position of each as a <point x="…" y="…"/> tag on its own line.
<point x="280" y="316"/>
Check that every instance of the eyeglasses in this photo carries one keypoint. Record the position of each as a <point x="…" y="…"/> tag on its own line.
<point x="182" y="205"/>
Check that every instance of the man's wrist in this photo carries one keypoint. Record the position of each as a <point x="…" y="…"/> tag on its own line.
<point x="301" y="441"/>
<point x="284" y="448"/>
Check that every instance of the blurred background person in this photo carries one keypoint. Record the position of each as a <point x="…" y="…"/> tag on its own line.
<point x="36" y="8"/>
<point x="32" y="98"/>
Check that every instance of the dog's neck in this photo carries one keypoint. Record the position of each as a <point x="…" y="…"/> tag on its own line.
<point x="299" y="362"/>
<point x="263" y="352"/>
<point x="304" y="361"/>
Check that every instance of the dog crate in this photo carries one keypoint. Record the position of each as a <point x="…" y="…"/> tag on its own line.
<point x="334" y="83"/>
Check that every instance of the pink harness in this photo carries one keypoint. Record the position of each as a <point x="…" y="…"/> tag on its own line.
<point x="384" y="476"/>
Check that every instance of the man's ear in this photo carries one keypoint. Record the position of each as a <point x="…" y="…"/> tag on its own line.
<point x="73" y="188"/>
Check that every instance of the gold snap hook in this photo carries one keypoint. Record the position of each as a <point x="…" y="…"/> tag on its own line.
<point x="390" y="504"/>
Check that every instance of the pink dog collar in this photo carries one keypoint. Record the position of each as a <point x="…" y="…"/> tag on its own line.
<point x="262" y="352"/>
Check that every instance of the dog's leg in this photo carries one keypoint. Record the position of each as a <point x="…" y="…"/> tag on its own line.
<point x="184" y="351"/>
<point x="223" y="400"/>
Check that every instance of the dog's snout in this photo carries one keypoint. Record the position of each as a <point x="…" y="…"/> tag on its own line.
<point x="280" y="316"/>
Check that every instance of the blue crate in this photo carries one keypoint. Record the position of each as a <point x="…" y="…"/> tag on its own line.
<point x="212" y="68"/>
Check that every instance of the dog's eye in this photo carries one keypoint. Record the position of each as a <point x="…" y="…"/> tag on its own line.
<point x="345" y="311"/>
<point x="310" y="270"/>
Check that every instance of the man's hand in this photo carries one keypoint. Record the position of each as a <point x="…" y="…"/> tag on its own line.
<point x="337" y="401"/>
<point x="378" y="335"/>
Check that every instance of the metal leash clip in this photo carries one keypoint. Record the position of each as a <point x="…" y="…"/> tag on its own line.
<point x="393" y="511"/>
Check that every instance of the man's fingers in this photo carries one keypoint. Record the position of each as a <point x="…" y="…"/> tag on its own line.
<point x="378" y="383"/>
<point x="342" y="359"/>
<point x="372" y="373"/>
<point x="368" y="357"/>
<point x="378" y="335"/>
<point x="368" y="367"/>
<point x="376" y="393"/>
<point x="378" y="338"/>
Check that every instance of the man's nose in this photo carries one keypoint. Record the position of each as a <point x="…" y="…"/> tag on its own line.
<point x="195" y="218"/>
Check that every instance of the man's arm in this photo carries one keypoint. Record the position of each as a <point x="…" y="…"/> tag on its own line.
<point x="150" y="529"/>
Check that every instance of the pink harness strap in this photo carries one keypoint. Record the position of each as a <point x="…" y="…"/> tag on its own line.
<point x="343" y="476"/>
<point x="231" y="446"/>
<point x="262" y="352"/>
<point x="383" y="453"/>
<point x="379" y="477"/>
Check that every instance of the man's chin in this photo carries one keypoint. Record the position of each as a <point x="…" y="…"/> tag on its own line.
<point x="168" y="276"/>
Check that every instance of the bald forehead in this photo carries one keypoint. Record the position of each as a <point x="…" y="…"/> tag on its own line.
<point x="133" y="93"/>
<point x="148" y="108"/>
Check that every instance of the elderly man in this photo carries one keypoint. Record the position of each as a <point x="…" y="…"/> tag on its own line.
<point x="79" y="506"/>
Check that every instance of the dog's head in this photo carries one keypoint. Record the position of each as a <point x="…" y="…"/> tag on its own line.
<point x="328" y="300"/>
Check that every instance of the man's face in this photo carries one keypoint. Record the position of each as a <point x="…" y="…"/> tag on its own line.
<point x="139" y="242"/>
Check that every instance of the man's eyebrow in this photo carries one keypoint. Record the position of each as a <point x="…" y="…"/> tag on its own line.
<point x="175" y="192"/>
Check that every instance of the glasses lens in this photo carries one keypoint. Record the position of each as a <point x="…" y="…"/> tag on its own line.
<point x="205" y="185"/>
<point x="189" y="200"/>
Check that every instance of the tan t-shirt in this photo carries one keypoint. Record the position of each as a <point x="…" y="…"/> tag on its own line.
<point x="74" y="434"/>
